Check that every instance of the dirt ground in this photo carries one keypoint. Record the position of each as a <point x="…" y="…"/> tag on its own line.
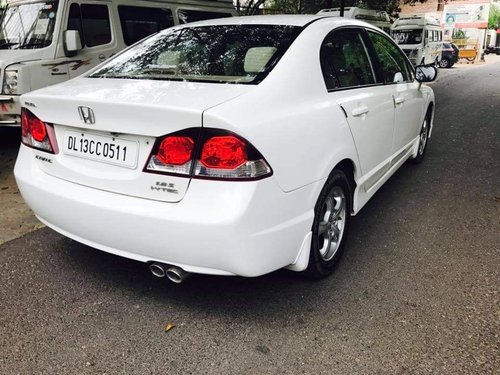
<point x="16" y="218"/>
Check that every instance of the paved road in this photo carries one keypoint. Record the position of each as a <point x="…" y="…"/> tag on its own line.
<point x="416" y="293"/>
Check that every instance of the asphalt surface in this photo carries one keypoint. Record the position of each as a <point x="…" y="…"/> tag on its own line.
<point x="417" y="292"/>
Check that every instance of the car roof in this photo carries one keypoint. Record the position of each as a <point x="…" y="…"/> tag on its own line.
<point x="282" y="19"/>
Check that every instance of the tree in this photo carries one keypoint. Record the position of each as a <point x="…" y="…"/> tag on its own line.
<point x="494" y="18"/>
<point x="313" y="6"/>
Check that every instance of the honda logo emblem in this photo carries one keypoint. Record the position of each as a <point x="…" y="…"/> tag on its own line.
<point x="86" y="115"/>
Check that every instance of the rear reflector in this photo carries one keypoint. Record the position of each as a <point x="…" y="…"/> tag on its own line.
<point x="216" y="154"/>
<point x="36" y="133"/>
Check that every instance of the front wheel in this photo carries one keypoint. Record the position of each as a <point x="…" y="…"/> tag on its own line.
<point x="330" y="226"/>
<point x="422" y="142"/>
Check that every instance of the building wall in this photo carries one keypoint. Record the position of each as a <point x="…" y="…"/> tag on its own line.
<point x="429" y="8"/>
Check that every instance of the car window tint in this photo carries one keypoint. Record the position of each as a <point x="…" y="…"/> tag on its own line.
<point x="216" y="53"/>
<point x="344" y="60"/>
<point x="188" y="15"/>
<point x="138" y="22"/>
<point x="391" y="59"/>
<point x="96" y="26"/>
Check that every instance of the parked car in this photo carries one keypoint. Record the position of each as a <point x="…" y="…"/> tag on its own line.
<point x="495" y="50"/>
<point x="236" y="146"/>
<point x="449" y="56"/>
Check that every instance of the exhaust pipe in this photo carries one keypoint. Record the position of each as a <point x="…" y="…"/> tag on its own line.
<point x="176" y="274"/>
<point x="157" y="269"/>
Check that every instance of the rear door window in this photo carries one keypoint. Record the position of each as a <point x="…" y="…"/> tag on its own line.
<point x="344" y="60"/>
<point x="190" y="15"/>
<point x="390" y="57"/>
<point x="139" y="22"/>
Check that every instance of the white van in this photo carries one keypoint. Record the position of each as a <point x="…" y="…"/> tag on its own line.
<point x="46" y="42"/>
<point x="420" y="37"/>
<point x="378" y="18"/>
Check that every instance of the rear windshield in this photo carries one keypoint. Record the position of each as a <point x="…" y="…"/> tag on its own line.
<point x="225" y="53"/>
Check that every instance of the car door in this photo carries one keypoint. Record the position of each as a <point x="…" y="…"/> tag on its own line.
<point x="351" y="81"/>
<point x="93" y="22"/>
<point x="397" y="75"/>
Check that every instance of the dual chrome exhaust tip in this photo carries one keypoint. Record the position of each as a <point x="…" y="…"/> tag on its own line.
<point x="175" y="274"/>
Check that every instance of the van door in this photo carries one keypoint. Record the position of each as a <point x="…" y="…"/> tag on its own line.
<point x="97" y="34"/>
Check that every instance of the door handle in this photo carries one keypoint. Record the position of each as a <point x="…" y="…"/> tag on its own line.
<point x="399" y="100"/>
<point x="359" y="111"/>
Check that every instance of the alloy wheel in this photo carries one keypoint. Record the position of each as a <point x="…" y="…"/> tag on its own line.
<point x="332" y="224"/>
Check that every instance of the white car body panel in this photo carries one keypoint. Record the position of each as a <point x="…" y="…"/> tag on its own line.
<point x="246" y="228"/>
<point x="125" y="108"/>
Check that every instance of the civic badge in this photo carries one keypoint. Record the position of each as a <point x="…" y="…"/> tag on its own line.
<point x="86" y="115"/>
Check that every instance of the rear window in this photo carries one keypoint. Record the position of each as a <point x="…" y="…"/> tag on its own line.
<point x="139" y="22"/>
<point x="188" y="15"/>
<point x="226" y="53"/>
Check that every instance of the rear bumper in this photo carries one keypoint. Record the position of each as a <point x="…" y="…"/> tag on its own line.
<point x="10" y="110"/>
<point x="224" y="228"/>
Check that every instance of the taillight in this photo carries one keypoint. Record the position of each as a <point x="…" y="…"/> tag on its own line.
<point x="207" y="153"/>
<point x="36" y="133"/>
<point x="226" y="152"/>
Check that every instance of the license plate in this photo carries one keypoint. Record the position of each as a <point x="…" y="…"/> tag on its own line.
<point x="111" y="150"/>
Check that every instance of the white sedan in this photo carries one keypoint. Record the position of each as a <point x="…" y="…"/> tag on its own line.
<point x="227" y="147"/>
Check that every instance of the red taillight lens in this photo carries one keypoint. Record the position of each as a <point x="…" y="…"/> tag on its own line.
<point x="207" y="153"/>
<point x="25" y="128"/>
<point x="226" y="152"/>
<point x="175" y="150"/>
<point x="36" y="133"/>
<point x="38" y="130"/>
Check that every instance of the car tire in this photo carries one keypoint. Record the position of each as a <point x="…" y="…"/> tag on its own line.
<point x="423" y="140"/>
<point x="332" y="214"/>
<point x="444" y="63"/>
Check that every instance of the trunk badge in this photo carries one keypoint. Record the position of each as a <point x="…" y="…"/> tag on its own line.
<point x="86" y="115"/>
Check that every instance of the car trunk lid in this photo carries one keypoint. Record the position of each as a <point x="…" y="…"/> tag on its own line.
<point x="121" y="120"/>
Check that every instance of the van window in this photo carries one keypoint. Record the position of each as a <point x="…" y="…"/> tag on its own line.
<point x="138" y="22"/>
<point x="409" y="36"/>
<point x="188" y="15"/>
<point x="92" y="22"/>
<point x="28" y="25"/>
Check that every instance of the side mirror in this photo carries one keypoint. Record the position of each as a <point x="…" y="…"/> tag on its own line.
<point x="72" y="42"/>
<point x="425" y="73"/>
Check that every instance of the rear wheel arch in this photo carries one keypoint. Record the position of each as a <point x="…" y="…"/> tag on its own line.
<point x="349" y="168"/>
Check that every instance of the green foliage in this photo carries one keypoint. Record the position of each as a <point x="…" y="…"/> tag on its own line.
<point x="494" y="18"/>
<point x="459" y="34"/>
<point x="313" y="6"/>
